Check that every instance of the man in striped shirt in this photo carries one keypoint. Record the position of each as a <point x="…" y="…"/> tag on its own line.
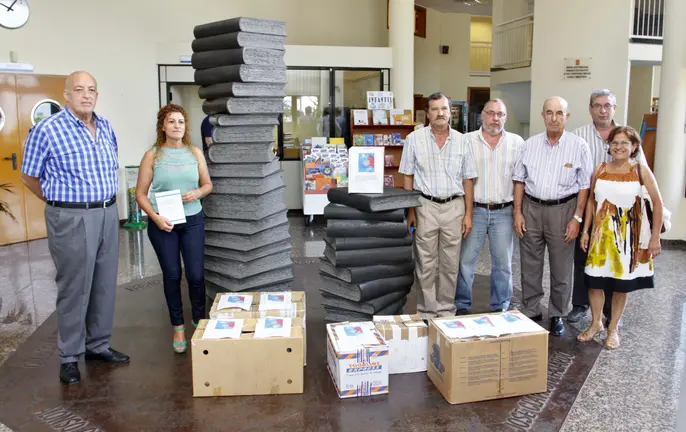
<point x="495" y="152"/>
<point x="435" y="162"/>
<point x="602" y="107"/>
<point x="70" y="162"/>
<point x="552" y="179"/>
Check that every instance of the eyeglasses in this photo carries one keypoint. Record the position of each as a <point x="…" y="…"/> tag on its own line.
<point x="495" y="114"/>
<point x="620" y="143"/>
<point x="607" y="106"/>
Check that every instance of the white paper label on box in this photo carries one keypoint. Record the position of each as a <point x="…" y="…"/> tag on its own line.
<point x="289" y="312"/>
<point x="352" y="336"/>
<point x="275" y="300"/>
<point x="273" y="327"/>
<point x="222" y="329"/>
<point x="415" y="324"/>
<point x="455" y="328"/>
<point x="384" y="318"/>
<point x="231" y="301"/>
<point x="405" y="318"/>
<point x="515" y="322"/>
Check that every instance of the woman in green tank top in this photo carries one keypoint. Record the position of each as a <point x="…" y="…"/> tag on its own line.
<point x="174" y="163"/>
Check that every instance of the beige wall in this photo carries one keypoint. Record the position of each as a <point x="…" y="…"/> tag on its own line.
<point x="448" y="73"/>
<point x="640" y="89"/>
<point x="118" y="41"/>
<point x="481" y="29"/>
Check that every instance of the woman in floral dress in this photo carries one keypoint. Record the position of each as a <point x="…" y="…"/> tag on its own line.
<point x="622" y="245"/>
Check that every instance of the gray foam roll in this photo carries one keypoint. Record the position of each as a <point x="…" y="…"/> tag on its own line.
<point x="391" y="199"/>
<point x="352" y="243"/>
<point x="242" y="134"/>
<point x="339" y="211"/>
<point x="248" y="56"/>
<point x="228" y="89"/>
<point x="247" y="186"/>
<point x="232" y="105"/>
<point x="246" y="227"/>
<point x="241" y="153"/>
<point x="367" y="290"/>
<point x="358" y="228"/>
<point x="272" y="277"/>
<point x="361" y="257"/>
<point x="238" y="40"/>
<point x="251" y="255"/>
<point x="361" y="274"/>
<point x="244" y="120"/>
<point x="243" y="207"/>
<point x="252" y="25"/>
<point x="240" y="73"/>
<point x="241" y="270"/>
<point x="251" y="170"/>
<point x="246" y="242"/>
<point x="369" y="307"/>
<point x="340" y="315"/>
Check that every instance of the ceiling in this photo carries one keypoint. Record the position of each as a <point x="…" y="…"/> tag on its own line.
<point x="459" y="6"/>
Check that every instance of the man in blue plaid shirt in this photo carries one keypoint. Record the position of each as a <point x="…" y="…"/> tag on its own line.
<point x="70" y="161"/>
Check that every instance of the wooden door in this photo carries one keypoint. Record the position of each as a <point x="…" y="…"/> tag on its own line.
<point x="12" y="230"/>
<point x="38" y="96"/>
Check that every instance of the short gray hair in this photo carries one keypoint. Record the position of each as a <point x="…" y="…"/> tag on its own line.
<point x="496" y="100"/>
<point x="436" y="96"/>
<point x="603" y="92"/>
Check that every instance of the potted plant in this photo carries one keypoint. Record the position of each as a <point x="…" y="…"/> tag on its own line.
<point x="4" y="207"/>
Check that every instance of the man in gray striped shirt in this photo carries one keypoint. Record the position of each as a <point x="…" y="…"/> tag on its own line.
<point x="602" y="107"/>
<point x="437" y="163"/>
<point x="552" y="179"/>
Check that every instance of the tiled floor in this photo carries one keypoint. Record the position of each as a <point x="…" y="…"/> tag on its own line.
<point x="634" y="388"/>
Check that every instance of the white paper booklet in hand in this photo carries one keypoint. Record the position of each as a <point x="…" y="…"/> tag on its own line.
<point x="170" y="205"/>
<point x="275" y="300"/>
<point x="223" y="329"/>
<point x="273" y="327"/>
<point x="231" y="301"/>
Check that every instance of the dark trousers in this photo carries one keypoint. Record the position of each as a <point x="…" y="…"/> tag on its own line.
<point x="580" y="290"/>
<point x="186" y="239"/>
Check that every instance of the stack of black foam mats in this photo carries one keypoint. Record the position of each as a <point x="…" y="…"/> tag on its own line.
<point x="367" y="268"/>
<point x="239" y="66"/>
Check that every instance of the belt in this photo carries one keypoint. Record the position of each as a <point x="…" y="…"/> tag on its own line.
<point x="84" y="205"/>
<point x="551" y="202"/>
<point x="493" y="206"/>
<point x="441" y="200"/>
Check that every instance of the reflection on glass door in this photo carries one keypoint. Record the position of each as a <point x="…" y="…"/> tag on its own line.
<point x="307" y="97"/>
<point x="350" y="92"/>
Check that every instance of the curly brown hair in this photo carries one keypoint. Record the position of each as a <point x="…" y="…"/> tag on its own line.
<point x="162" y="137"/>
<point x="630" y="133"/>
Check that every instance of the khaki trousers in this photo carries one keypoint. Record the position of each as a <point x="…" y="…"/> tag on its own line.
<point x="545" y="228"/>
<point x="437" y="241"/>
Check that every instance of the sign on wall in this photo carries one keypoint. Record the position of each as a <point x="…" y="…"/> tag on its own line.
<point x="577" y="68"/>
<point x="380" y="100"/>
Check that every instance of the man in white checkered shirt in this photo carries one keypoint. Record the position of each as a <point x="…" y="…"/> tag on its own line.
<point x="602" y="107"/>
<point x="437" y="163"/>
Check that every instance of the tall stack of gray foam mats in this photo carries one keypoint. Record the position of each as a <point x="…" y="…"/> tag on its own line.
<point x="239" y="66"/>
<point x="368" y="266"/>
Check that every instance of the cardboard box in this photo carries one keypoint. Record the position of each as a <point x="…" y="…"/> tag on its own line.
<point x="477" y="369"/>
<point x="298" y="309"/>
<point x="248" y="366"/>
<point x="407" y="337"/>
<point x="357" y="359"/>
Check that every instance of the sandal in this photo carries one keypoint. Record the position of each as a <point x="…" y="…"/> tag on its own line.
<point x="180" y="347"/>
<point x="589" y="333"/>
<point x="612" y="341"/>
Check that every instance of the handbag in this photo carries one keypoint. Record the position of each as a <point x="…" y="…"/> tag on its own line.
<point x="648" y="204"/>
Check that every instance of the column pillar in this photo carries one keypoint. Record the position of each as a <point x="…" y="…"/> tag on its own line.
<point x="401" y="40"/>
<point x="670" y="145"/>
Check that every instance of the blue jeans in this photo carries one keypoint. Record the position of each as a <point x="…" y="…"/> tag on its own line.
<point x="187" y="239"/>
<point x="497" y="225"/>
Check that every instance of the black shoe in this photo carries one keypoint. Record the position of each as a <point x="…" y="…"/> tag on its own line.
<point x="537" y="318"/>
<point x="496" y="310"/>
<point x="557" y="326"/>
<point x="462" y="312"/>
<point x="109" y="356"/>
<point x="577" y="313"/>
<point x="69" y="373"/>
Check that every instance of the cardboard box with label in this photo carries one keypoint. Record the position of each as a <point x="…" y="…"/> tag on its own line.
<point x="287" y="304"/>
<point x="253" y="359"/>
<point x="357" y="359"/>
<point x="407" y="337"/>
<point x="490" y="356"/>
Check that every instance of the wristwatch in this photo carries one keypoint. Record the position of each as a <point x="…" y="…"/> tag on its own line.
<point x="578" y="218"/>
